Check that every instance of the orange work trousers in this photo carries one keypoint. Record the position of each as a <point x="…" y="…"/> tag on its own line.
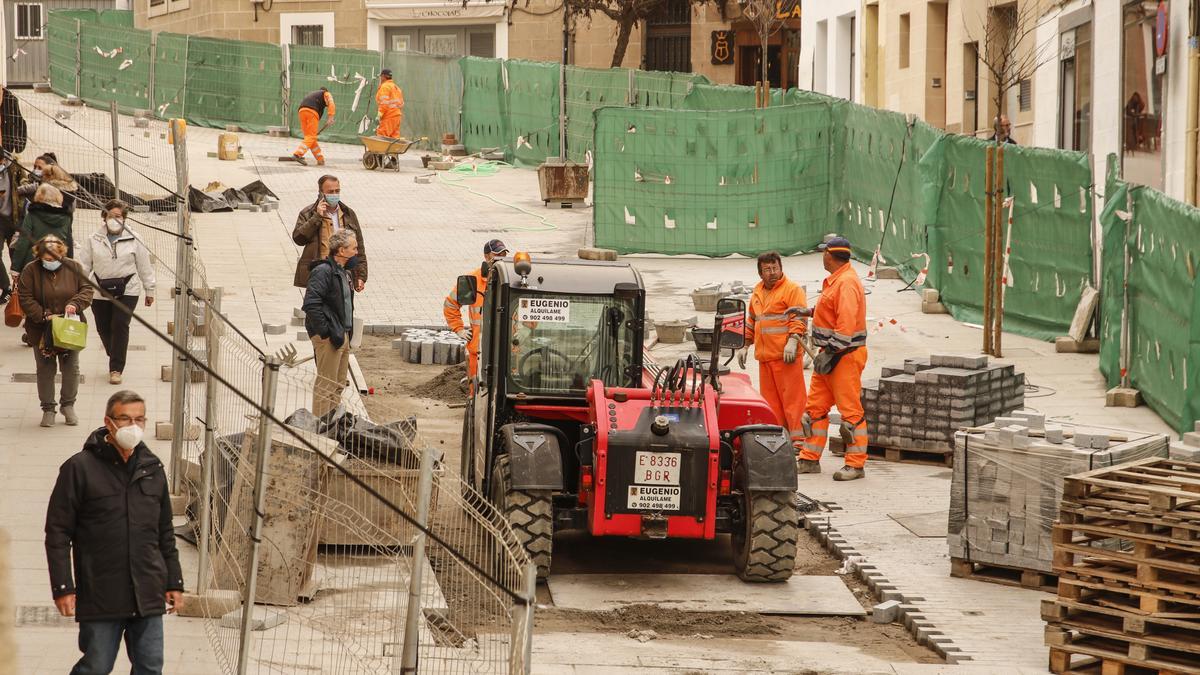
<point x="310" y="124"/>
<point x="389" y="125"/>
<point x="782" y="385"/>
<point x="843" y="388"/>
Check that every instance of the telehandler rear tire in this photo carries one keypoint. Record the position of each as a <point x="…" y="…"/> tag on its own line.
<point x="529" y="512"/>
<point x="764" y="548"/>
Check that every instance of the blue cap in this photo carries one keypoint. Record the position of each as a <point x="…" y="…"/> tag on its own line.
<point x="495" y="246"/>
<point x="838" y="247"/>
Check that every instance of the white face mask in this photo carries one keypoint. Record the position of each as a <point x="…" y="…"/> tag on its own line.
<point x="129" y="437"/>
<point x="114" y="226"/>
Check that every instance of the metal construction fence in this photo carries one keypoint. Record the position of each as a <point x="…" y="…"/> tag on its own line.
<point x="354" y="545"/>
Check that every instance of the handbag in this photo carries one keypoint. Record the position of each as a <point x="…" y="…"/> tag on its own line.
<point x="68" y="333"/>
<point x="114" y="286"/>
<point x="12" y="311"/>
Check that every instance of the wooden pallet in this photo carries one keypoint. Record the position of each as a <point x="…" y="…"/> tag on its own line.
<point x="1151" y="559"/>
<point x="1168" y="490"/>
<point x="1170" y="653"/>
<point x="1130" y="620"/>
<point x="1004" y="575"/>
<point x="1147" y="601"/>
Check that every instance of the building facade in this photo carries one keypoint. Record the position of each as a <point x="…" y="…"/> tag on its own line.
<point x="831" y="49"/>
<point x="24" y="35"/>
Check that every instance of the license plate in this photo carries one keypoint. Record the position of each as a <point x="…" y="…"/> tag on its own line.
<point x="654" y="498"/>
<point x="656" y="468"/>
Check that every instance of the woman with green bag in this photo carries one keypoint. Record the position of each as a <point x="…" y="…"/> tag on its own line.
<point x="53" y="286"/>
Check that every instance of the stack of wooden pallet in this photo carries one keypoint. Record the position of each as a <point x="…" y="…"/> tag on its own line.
<point x="1127" y="551"/>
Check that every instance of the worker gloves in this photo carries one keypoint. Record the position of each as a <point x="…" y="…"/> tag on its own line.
<point x="789" y="351"/>
<point x="741" y="356"/>
<point x="464" y="334"/>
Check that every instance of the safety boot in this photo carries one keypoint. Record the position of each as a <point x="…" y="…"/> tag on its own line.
<point x="299" y="160"/>
<point x="321" y="162"/>
<point x="808" y="466"/>
<point x="849" y="473"/>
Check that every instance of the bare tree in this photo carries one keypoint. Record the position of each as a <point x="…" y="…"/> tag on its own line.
<point x="767" y="19"/>
<point x="627" y="14"/>
<point x="1009" y="50"/>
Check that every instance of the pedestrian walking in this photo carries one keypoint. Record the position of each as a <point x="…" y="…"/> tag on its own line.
<point x="12" y="212"/>
<point x="317" y="222"/>
<point x="390" y="101"/>
<point x="312" y="107"/>
<point x="45" y="216"/>
<point x="329" y="318"/>
<point x="452" y="310"/>
<point x="110" y="514"/>
<point x="839" y="331"/>
<point x="53" y="285"/>
<point x="115" y="260"/>
<point x="776" y="341"/>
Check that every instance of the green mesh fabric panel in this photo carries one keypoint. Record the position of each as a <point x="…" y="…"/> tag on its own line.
<point x="1112" y="270"/>
<point x="115" y="66"/>
<point x="533" y="104"/>
<point x="233" y="82"/>
<point x="485" y="104"/>
<point x="350" y="75"/>
<point x="1164" y="300"/>
<point x="589" y="89"/>
<point x="433" y="90"/>
<point x="61" y="42"/>
<point x="122" y="18"/>
<point x="663" y="90"/>
<point x="712" y="183"/>
<point x="1051" y="251"/>
<point x="170" y="74"/>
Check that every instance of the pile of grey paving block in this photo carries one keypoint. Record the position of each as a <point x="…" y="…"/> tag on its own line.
<point x="1008" y="482"/>
<point x="430" y="346"/>
<point x="920" y="405"/>
<point x="1187" y="448"/>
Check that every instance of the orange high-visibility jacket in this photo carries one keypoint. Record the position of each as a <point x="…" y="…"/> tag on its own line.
<point x="453" y="311"/>
<point x="389" y="98"/>
<point x="840" y="319"/>
<point x="767" y="321"/>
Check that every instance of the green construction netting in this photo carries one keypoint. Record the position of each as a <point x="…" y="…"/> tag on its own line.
<point x="1163" y="241"/>
<point x="232" y="82"/>
<point x="350" y="75"/>
<point x="115" y="17"/>
<point x="484" y="104"/>
<point x="62" y="39"/>
<point x="433" y="89"/>
<point x="1050" y="234"/>
<point x="587" y="90"/>
<point x="533" y="106"/>
<point x="114" y="65"/>
<point x="712" y="183"/>
<point x="654" y="89"/>
<point x="170" y="74"/>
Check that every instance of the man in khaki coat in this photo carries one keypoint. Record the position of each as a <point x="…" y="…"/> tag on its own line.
<point x="317" y="222"/>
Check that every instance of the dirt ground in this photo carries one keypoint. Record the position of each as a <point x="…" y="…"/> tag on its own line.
<point x="403" y="389"/>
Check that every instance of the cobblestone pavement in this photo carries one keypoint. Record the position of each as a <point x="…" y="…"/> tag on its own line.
<point x="419" y="237"/>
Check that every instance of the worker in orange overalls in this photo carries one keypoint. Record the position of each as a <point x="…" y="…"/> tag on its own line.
<point x="311" y="108"/>
<point x="839" y="330"/>
<point x="390" y="101"/>
<point x="776" y="340"/>
<point x="452" y="310"/>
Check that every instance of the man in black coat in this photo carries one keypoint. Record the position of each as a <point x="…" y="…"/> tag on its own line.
<point x="110" y="513"/>
<point x="329" y="318"/>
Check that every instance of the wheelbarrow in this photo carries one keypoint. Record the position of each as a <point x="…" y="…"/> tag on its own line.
<point x="382" y="152"/>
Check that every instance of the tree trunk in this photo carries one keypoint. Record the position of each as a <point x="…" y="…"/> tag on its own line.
<point x="625" y="28"/>
<point x="765" y="62"/>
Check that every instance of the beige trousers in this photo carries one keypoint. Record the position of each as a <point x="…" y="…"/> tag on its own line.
<point x="333" y="367"/>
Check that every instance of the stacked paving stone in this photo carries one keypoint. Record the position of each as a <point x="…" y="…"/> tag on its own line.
<point x="920" y="405"/>
<point x="1188" y="447"/>
<point x="1008" y="483"/>
<point x="430" y="346"/>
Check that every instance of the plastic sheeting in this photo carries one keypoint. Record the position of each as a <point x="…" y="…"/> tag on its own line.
<point x="712" y="183"/>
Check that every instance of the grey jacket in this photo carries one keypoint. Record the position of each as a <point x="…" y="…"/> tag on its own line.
<point x="128" y="257"/>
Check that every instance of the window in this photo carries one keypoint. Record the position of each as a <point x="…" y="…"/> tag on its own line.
<point x="1026" y="95"/>
<point x="310" y="35"/>
<point x="669" y="38"/>
<point x="28" y="21"/>
<point x="1144" y="79"/>
<point x="1075" y="104"/>
<point x="905" y="25"/>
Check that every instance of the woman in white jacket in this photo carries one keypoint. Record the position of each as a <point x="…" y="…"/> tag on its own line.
<point x="118" y="263"/>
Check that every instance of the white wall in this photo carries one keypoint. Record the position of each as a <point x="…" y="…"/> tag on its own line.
<point x="833" y="45"/>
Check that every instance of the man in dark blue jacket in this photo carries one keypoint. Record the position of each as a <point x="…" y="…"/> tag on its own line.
<point x="111" y="512"/>
<point x="329" y="318"/>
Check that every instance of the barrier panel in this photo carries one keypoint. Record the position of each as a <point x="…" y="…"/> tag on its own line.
<point x="1161" y="237"/>
<point x="589" y="89"/>
<point x="533" y="106"/>
<point x="433" y="91"/>
<point x="114" y="66"/>
<point x="484" y="104"/>
<point x="63" y="28"/>
<point x="350" y="75"/>
<point x="712" y="183"/>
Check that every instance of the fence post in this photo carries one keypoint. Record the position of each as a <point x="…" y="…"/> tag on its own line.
<point x="287" y="85"/>
<point x="408" y="657"/>
<point x="187" y="48"/>
<point x="262" y="445"/>
<point x="183" y="289"/>
<point x="78" y="63"/>
<point x="153" y="61"/>
<point x="631" y="94"/>
<point x="212" y="345"/>
<point x="116" y="148"/>
<point x="520" y="653"/>
<point x="1128" y="262"/>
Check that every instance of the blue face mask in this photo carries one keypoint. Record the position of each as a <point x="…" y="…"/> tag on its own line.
<point x="51" y="265"/>
<point x="351" y="262"/>
<point x="333" y="199"/>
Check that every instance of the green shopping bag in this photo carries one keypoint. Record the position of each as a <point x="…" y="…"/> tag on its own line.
<point x="68" y="333"/>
